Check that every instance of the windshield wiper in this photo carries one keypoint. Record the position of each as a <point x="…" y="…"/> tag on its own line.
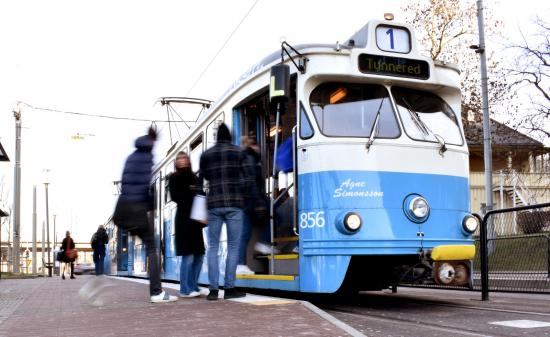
<point x="423" y="127"/>
<point x="375" y="125"/>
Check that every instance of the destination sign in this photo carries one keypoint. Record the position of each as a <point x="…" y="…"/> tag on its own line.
<point x="394" y="66"/>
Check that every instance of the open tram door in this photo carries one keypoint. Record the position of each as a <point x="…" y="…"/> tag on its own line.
<point x="257" y="119"/>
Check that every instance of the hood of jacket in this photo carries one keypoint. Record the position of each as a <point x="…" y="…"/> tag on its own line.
<point x="144" y="143"/>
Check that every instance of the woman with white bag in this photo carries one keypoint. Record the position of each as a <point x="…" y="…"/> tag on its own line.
<point x="189" y="239"/>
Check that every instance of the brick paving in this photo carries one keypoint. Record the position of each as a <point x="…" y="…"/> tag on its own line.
<point x="53" y="307"/>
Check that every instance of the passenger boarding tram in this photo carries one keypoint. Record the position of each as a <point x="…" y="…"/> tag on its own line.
<point x="378" y="194"/>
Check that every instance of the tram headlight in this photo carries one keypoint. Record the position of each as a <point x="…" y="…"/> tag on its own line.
<point x="416" y="208"/>
<point x="352" y="222"/>
<point x="348" y="222"/>
<point x="470" y="223"/>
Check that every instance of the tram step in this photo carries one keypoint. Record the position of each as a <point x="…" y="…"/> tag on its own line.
<point x="285" y="264"/>
<point x="286" y="239"/>
<point x="278" y="277"/>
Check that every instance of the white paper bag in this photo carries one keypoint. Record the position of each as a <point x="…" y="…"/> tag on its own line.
<point x="199" y="209"/>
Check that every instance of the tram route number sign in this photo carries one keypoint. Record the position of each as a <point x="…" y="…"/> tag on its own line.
<point x="394" y="66"/>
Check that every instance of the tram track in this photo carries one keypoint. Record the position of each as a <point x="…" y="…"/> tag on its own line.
<point x="352" y="316"/>
<point x="415" y="314"/>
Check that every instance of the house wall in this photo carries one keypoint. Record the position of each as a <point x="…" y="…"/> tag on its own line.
<point x="537" y="183"/>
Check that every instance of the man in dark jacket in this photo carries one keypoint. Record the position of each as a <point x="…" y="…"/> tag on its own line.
<point x="230" y="179"/>
<point x="134" y="203"/>
<point x="99" y="240"/>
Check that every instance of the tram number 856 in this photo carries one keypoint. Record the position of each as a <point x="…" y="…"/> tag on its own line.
<point x="312" y="219"/>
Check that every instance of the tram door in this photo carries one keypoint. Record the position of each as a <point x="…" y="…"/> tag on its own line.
<point x="257" y="120"/>
<point x="122" y="249"/>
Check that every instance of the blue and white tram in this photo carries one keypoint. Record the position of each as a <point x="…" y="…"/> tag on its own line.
<point x="379" y="191"/>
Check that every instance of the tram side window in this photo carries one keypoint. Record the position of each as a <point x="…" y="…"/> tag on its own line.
<point x="350" y="110"/>
<point x="425" y="116"/>
<point x="306" y="131"/>
<point x="212" y="130"/>
<point x="196" y="151"/>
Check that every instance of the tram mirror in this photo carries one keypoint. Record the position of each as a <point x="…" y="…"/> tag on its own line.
<point x="279" y="86"/>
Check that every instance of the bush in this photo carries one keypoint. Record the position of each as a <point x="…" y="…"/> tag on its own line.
<point x="533" y="222"/>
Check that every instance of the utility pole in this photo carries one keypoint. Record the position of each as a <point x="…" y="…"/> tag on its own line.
<point x="34" y="262"/>
<point x="487" y="153"/>
<point x="488" y="228"/>
<point x="48" y="231"/>
<point x="17" y="194"/>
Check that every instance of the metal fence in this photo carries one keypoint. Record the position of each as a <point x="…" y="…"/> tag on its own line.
<point x="514" y="251"/>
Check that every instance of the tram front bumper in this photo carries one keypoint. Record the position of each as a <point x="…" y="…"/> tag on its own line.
<point x="453" y="252"/>
<point x="451" y="264"/>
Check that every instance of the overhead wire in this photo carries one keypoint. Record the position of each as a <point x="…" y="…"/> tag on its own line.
<point x="99" y="116"/>
<point x="222" y="47"/>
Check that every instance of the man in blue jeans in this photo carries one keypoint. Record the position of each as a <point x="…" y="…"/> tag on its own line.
<point x="230" y="179"/>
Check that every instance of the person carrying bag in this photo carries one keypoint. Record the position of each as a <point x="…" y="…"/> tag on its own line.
<point x="70" y="254"/>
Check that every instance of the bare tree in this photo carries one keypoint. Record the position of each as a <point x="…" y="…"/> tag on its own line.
<point x="447" y="29"/>
<point x="531" y="73"/>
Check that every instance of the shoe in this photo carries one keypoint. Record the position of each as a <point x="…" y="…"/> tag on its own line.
<point x="191" y="294"/>
<point x="212" y="295"/>
<point x="63" y="276"/>
<point x="204" y="291"/>
<point x="163" y="297"/>
<point x="244" y="270"/>
<point x="72" y="277"/>
<point x="296" y="250"/>
<point x="265" y="249"/>
<point x="230" y="293"/>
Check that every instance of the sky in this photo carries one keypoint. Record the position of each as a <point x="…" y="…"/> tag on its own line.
<point x="116" y="58"/>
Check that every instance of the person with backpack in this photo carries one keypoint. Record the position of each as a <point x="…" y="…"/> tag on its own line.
<point x="99" y="240"/>
<point x="134" y="205"/>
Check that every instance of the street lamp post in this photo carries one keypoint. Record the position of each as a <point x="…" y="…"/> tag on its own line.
<point x="49" y="266"/>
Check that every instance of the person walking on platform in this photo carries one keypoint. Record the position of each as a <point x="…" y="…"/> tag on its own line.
<point x="189" y="241"/>
<point x="99" y="240"/>
<point x="226" y="169"/>
<point x="134" y="203"/>
<point x="69" y="254"/>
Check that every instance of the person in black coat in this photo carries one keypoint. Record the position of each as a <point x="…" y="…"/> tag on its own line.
<point x="66" y="245"/>
<point x="133" y="207"/>
<point x="189" y="239"/>
<point x="99" y="240"/>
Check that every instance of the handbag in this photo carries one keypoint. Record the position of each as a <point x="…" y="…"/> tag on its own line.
<point x="72" y="254"/>
<point x="199" y="209"/>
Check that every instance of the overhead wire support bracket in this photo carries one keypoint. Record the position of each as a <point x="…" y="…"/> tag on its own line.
<point x="301" y="66"/>
<point x="167" y="100"/>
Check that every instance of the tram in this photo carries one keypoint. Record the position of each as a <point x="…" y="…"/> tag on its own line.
<point x="378" y="194"/>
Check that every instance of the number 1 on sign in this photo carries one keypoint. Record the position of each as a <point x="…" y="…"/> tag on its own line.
<point x="390" y="33"/>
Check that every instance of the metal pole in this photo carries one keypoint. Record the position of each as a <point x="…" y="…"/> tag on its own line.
<point x="54" y="244"/>
<point x="34" y="262"/>
<point x="487" y="157"/>
<point x="17" y="194"/>
<point x="48" y="231"/>
<point x="485" y="107"/>
<point x="484" y="268"/>
<point x="272" y="203"/>
<point x="43" y="242"/>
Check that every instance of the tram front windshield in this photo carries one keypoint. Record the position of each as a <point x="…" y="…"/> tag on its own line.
<point x="351" y="110"/>
<point x="426" y="116"/>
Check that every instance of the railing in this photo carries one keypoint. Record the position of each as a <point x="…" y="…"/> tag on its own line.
<point x="526" y="271"/>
